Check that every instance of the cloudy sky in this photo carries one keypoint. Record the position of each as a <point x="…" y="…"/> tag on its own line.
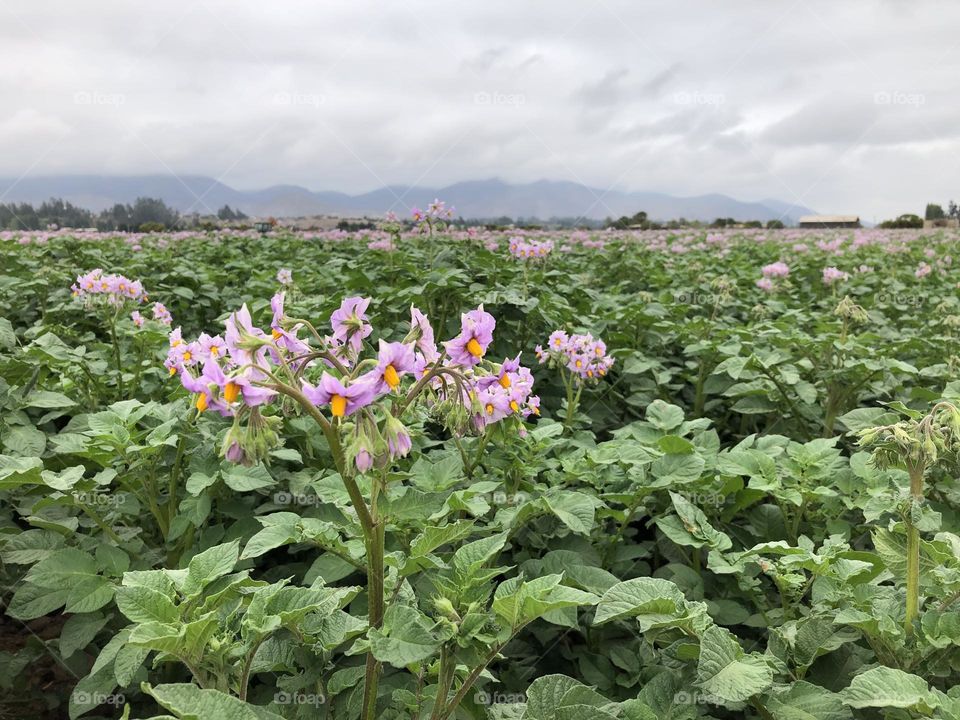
<point x="844" y="107"/>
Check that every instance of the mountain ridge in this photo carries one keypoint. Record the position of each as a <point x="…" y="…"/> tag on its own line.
<point x="485" y="198"/>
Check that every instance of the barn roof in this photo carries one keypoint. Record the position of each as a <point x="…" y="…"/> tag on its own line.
<point x="830" y="218"/>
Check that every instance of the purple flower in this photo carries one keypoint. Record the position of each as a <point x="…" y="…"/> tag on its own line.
<point x="832" y="275"/>
<point x="161" y="314"/>
<point x="420" y="328"/>
<point x="285" y="276"/>
<point x="342" y="399"/>
<point x="558" y="340"/>
<point x="137" y="318"/>
<point x="239" y="327"/>
<point x="285" y="339"/>
<point x="349" y="322"/>
<point x="476" y="334"/>
<point x="777" y="269"/>
<point x="393" y="362"/>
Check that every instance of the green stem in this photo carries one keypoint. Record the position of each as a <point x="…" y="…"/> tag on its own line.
<point x="445" y="681"/>
<point x="95" y="516"/>
<point x="375" y="551"/>
<point x="174" y="481"/>
<point x="116" y="354"/>
<point x="913" y="549"/>
<point x="760" y="708"/>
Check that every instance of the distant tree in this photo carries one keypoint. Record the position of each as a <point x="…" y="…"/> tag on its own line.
<point x="906" y="221"/>
<point x="934" y="212"/>
<point x="953" y="210"/>
<point x="775" y="225"/>
<point x="723" y="222"/>
<point x="637" y="220"/>
<point x="753" y="224"/>
<point x="225" y="213"/>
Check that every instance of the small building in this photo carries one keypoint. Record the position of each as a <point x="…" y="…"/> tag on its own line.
<point x="941" y="223"/>
<point x="829" y="221"/>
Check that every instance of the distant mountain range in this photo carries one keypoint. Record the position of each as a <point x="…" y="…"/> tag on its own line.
<point x="543" y="199"/>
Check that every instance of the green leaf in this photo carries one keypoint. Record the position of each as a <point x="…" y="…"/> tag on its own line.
<point x="546" y="693"/>
<point x="406" y="637"/>
<point x="143" y="604"/>
<point x="245" y="479"/>
<point x="48" y="399"/>
<point x="726" y="671"/>
<point x="79" y="631"/>
<point x="664" y="416"/>
<point x="573" y="509"/>
<point x="270" y="538"/>
<point x="803" y="701"/>
<point x="648" y="599"/>
<point x="25" y="440"/>
<point x="209" y="565"/>
<point x="32" y="601"/>
<point x="189" y="702"/>
<point x="888" y="687"/>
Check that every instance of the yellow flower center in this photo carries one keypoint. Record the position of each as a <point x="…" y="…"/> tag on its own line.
<point x="214" y="351"/>
<point x="589" y="373"/>
<point x="187" y="356"/>
<point x="473" y="347"/>
<point x="201" y="402"/>
<point x="536" y="410"/>
<point x="489" y="409"/>
<point x="505" y="381"/>
<point x="338" y="405"/>
<point x="231" y="392"/>
<point x="514" y="406"/>
<point x="277" y="334"/>
<point x="390" y="376"/>
<point x="579" y="363"/>
<point x="175" y="343"/>
<point x="598" y="351"/>
<point x="173" y="371"/>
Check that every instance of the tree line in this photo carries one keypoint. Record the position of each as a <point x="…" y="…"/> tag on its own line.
<point x="143" y="215"/>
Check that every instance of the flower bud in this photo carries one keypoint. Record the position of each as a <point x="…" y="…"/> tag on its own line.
<point x="397" y="438"/>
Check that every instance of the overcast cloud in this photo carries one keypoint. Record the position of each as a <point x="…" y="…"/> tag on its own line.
<point x="844" y="107"/>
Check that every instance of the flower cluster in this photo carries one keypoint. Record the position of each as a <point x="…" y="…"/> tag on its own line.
<point x="832" y="275"/>
<point x="775" y="270"/>
<point x="530" y="249"/>
<point x="116" y="289"/>
<point x="436" y="214"/>
<point x="582" y="355"/>
<point x="161" y="314"/>
<point x="244" y="372"/>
